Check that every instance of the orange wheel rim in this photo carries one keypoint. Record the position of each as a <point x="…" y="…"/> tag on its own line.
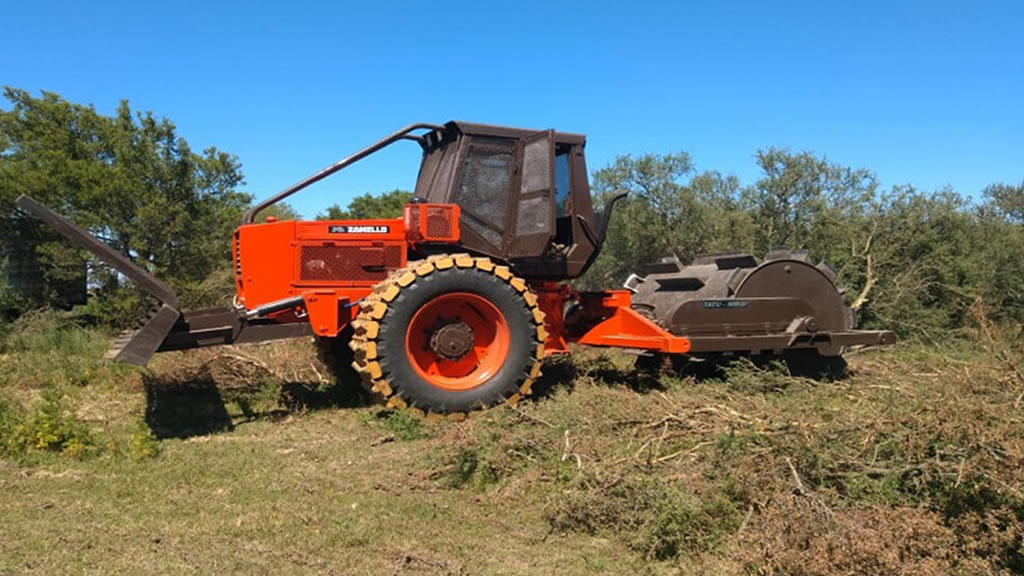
<point x="457" y="341"/>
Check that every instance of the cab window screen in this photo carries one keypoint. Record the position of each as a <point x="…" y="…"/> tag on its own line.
<point x="484" y="188"/>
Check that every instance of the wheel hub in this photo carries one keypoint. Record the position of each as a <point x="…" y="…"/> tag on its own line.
<point x="457" y="340"/>
<point x="452" y="340"/>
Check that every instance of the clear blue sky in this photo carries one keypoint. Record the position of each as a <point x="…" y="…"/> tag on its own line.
<point x="928" y="93"/>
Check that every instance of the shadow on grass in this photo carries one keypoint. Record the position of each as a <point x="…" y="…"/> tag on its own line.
<point x="655" y="372"/>
<point x="798" y="363"/>
<point x="179" y="407"/>
<point x="563" y="372"/>
<point x="176" y="409"/>
<point x="305" y="396"/>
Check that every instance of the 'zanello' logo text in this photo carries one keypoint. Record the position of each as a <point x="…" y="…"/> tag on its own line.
<point x="358" y="229"/>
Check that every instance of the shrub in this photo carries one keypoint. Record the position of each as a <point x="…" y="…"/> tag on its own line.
<point x="52" y="427"/>
<point x="689" y="526"/>
<point x="8" y="421"/>
<point x="144" y="443"/>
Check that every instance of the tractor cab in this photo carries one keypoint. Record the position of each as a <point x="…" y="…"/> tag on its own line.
<point x="523" y="195"/>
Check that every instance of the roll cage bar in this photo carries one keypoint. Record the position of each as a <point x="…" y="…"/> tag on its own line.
<point x="403" y="134"/>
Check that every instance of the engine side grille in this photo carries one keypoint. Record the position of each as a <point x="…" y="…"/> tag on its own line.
<point x="431" y="223"/>
<point x="238" y="255"/>
<point x="358" y="264"/>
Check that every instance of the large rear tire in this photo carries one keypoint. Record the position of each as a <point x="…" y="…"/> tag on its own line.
<point x="449" y="335"/>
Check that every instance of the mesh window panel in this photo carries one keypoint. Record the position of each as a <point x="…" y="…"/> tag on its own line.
<point x="529" y="245"/>
<point x="536" y="166"/>
<point x="534" y="216"/>
<point x="485" y="181"/>
<point x="488" y="233"/>
<point x="348" y="263"/>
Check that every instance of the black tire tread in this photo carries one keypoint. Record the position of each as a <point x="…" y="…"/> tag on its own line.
<point x="375" y="307"/>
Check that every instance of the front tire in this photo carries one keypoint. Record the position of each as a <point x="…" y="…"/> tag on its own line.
<point x="449" y="335"/>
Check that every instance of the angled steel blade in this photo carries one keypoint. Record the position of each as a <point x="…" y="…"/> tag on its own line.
<point x="77" y="235"/>
<point x="134" y="347"/>
<point x="139" y="346"/>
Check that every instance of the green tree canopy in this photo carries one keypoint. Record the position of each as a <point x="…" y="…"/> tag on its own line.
<point x="671" y="210"/>
<point x="130" y="179"/>
<point x="369" y="206"/>
<point x="281" y="211"/>
<point x="1007" y="200"/>
<point x="804" y="201"/>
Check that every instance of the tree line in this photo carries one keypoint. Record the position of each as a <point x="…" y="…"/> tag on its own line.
<point x="911" y="260"/>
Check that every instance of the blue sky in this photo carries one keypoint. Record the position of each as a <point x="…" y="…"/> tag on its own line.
<point x="927" y="93"/>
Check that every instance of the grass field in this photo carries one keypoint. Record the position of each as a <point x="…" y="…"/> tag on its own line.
<point x="245" y="460"/>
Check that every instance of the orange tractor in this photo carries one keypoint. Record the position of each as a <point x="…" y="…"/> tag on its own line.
<point x="455" y="305"/>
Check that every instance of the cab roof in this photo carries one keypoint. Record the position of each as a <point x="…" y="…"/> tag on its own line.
<point x="471" y="129"/>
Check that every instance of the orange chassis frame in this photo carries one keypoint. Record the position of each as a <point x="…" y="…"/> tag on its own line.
<point x="272" y="263"/>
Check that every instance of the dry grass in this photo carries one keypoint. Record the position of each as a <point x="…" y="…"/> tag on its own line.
<point x="910" y="466"/>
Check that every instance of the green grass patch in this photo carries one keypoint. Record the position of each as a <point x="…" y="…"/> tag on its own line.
<point x="472" y="467"/>
<point x="47" y="348"/>
<point x="255" y="399"/>
<point x="660" y="520"/>
<point x="401" y="425"/>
